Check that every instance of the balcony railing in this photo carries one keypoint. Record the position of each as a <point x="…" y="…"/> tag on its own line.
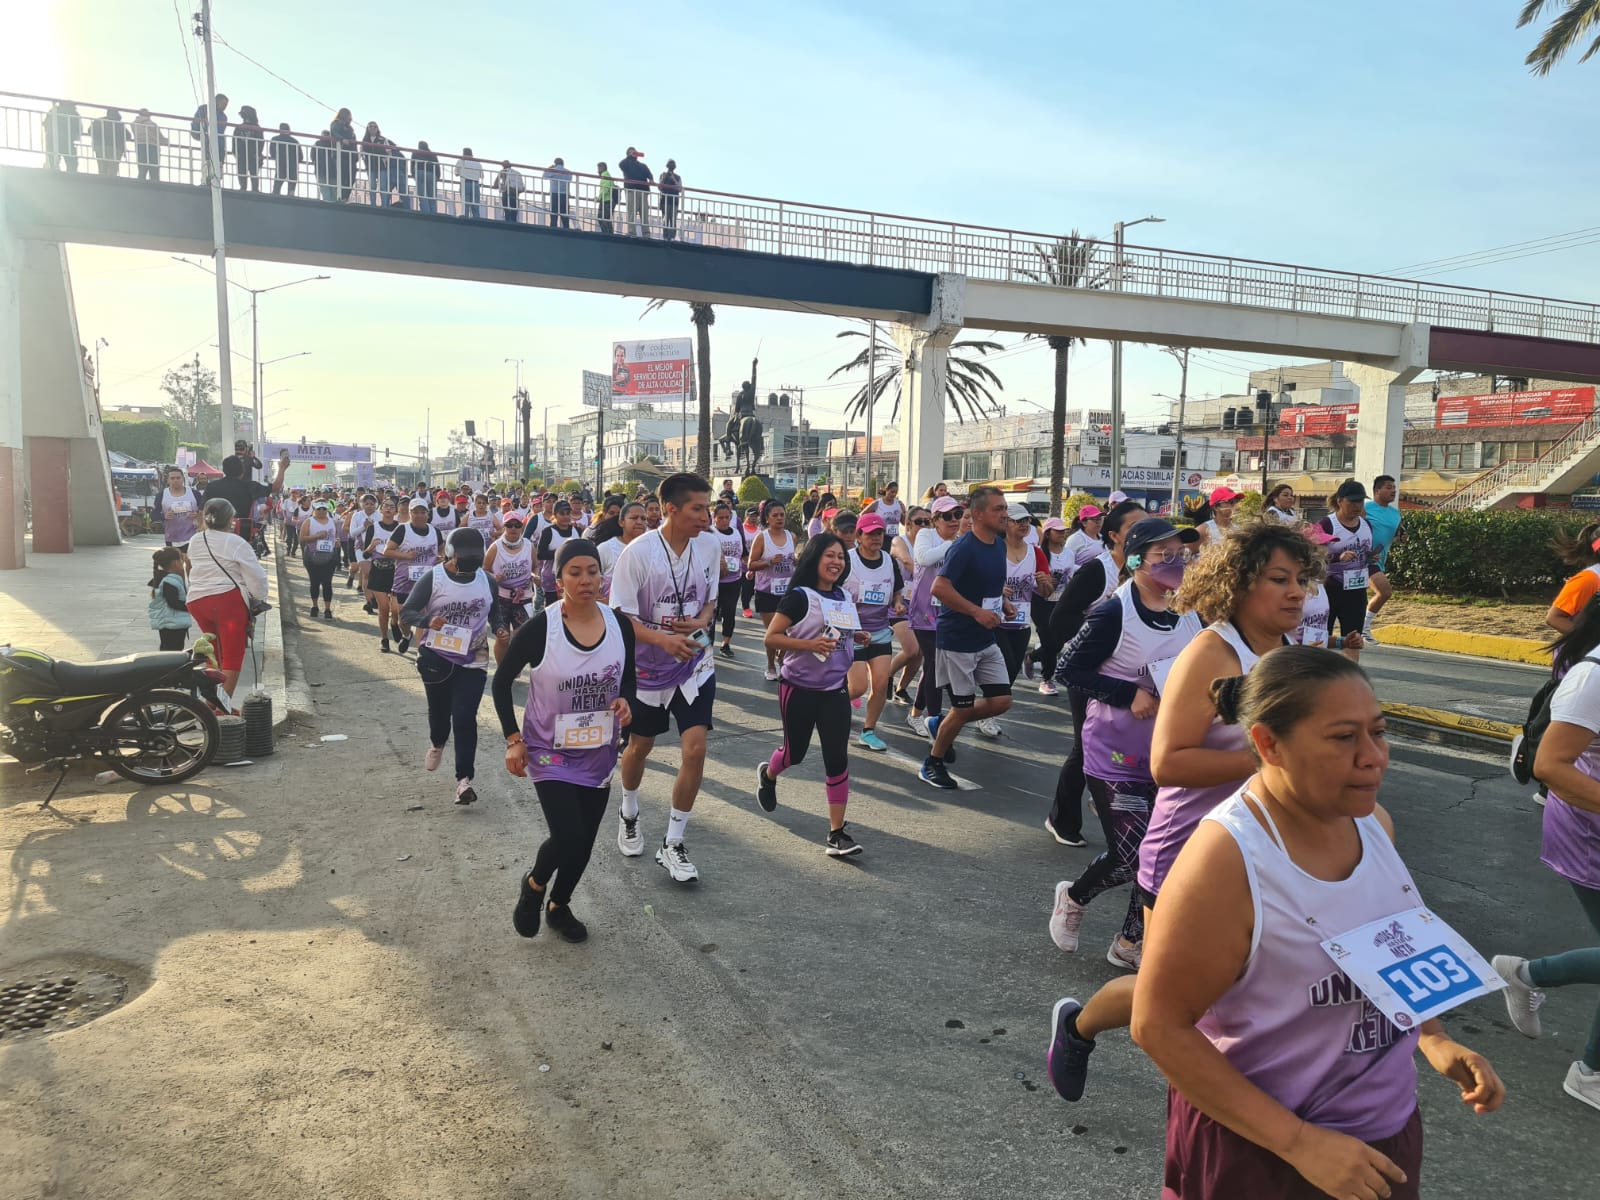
<point x="313" y="170"/>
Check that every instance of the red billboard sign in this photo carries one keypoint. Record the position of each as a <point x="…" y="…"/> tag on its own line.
<point x="650" y="370"/>
<point x="1556" y="406"/>
<point x="1321" y="418"/>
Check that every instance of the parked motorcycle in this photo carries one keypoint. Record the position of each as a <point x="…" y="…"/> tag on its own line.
<point x="149" y="716"/>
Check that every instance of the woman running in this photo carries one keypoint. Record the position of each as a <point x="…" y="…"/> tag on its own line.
<point x="1027" y="576"/>
<point x="1568" y="764"/>
<point x="1098" y="574"/>
<point x="1060" y="563"/>
<point x="747" y="588"/>
<point x="551" y="538"/>
<point x="929" y="551"/>
<point x="734" y="551"/>
<point x="1283" y="1080"/>
<point x="890" y="507"/>
<point x="1280" y="505"/>
<point x="1251" y="590"/>
<point x="631" y="522"/>
<point x="451" y="603"/>
<point x="1116" y="661"/>
<point x="816" y="629"/>
<point x="772" y="561"/>
<point x="909" y="658"/>
<point x="579" y="659"/>
<point x="1313" y="629"/>
<point x="1350" y="563"/>
<point x="178" y="509"/>
<point x="874" y="584"/>
<point x="319" y="551"/>
<point x="1084" y="540"/>
<point x="1219" y="515"/>
<point x="483" y="519"/>
<point x="509" y="562"/>
<point x="380" y="573"/>
<point x="1581" y="551"/>
<point x="413" y="548"/>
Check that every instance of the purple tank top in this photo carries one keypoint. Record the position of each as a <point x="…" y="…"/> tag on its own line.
<point x="408" y="570"/>
<point x="774" y="577"/>
<point x="806" y="670"/>
<point x="920" y="605"/>
<point x="464" y="606"/>
<point x="569" y="698"/>
<point x="732" y="544"/>
<point x="1293" y="1023"/>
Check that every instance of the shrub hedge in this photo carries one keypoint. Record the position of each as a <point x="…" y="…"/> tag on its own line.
<point x="1494" y="554"/>
<point x="150" y="441"/>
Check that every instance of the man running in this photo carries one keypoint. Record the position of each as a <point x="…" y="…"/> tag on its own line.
<point x="970" y="591"/>
<point x="1383" y="514"/>
<point x="666" y="582"/>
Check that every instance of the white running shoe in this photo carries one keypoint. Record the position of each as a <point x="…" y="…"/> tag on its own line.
<point x="430" y="760"/>
<point x="918" y="724"/>
<point x="989" y="727"/>
<point x="1583" y="1085"/>
<point x="629" y="840"/>
<point x="675" y="859"/>
<point x="1066" y="919"/>
<point x="1522" y="1000"/>
<point x="772" y="674"/>
<point x="1125" y="954"/>
<point x="1046" y="688"/>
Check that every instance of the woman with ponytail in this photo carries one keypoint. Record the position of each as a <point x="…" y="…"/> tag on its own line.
<point x="1582" y="552"/>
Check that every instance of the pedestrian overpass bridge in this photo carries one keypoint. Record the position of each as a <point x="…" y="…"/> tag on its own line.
<point x="924" y="279"/>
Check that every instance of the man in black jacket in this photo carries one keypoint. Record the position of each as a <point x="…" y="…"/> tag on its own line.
<point x="285" y="160"/>
<point x="636" y="180"/>
<point x="243" y="493"/>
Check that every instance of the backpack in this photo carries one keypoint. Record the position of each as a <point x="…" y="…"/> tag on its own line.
<point x="1525" y="746"/>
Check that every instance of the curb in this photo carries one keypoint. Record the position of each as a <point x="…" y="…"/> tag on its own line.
<point x="269" y="644"/>
<point x="293" y="698"/>
<point x="1450" y="729"/>
<point x="1479" y="645"/>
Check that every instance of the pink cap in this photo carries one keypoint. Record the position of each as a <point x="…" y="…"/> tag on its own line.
<point x="1089" y="512"/>
<point x="944" y="504"/>
<point x="1223" y="495"/>
<point x="1318" y="534"/>
<point x="1053" y="523"/>
<point x="870" y="523"/>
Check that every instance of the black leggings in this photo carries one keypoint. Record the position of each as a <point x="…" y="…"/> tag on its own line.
<point x="1066" y="814"/>
<point x="1013" y="646"/>
<point x="1125" y="809"/>
<point x="828" y="715"/>
<point x="928" y="701"/>
<point x="173" y="639"/>
<point x="1048" y="649"/>
<point x="728" y="606"/>
<point x="321" y="576"/>
<point x="573" y="814"/>
<point x="747" y="591"/>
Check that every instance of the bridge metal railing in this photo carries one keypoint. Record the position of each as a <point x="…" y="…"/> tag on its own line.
<point x="315" y="168"/>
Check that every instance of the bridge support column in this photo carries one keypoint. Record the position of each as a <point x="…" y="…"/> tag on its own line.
<point x="1383" y="405"/>
<point x="50" y="479"/>
<point x="12" y="470"/>
<point x="925" y="352"/>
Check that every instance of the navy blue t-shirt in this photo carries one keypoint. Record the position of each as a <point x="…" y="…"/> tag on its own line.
<point x="977" y="571"/>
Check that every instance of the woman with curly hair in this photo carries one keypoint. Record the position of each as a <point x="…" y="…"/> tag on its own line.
<point x="1250" y="588"/>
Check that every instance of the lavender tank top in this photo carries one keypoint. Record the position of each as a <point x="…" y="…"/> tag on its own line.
<point x="465" y="605"/>
<point x="732" y="545"/>
<point x="408" y="570"/>
<point x="920" y="604"/>
<point x="513" y="568"/>
<point x="1116" y="744"/>
<point x="1294" y="1024"/>
<point x="1178" y="811"/>
<point x="806" y="670"/>
<point x="774" y="577"/>
<point x="568" y="681"/>
<point x="180" y="516"/>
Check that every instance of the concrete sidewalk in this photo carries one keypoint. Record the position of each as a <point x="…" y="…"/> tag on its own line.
<point x="93" y="604"/>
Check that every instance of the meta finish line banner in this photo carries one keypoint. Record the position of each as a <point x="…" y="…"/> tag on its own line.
<point x="654" y="370"/>
<point x="314" y="452"/>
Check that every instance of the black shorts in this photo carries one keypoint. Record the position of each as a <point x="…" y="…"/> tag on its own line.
<point x="651" y="721"/>
<point x="766" y="602"/>
<point x="508" y="615"/>
<point x="876" y="650"/>
<point x="1348" y="609"/>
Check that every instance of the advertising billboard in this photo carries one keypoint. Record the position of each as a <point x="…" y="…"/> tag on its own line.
<point x="1319" y="419"/>
<point x="651" y="370"/>
<point x="596" y="389"/>
<point x="1556" y="406"/>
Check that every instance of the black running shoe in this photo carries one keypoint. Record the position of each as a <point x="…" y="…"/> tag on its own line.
<point x="1068" y="1059"/>
<point x="934" y="774"/>
<point x="394" y="632"/>
<point x="841" y="844"/>
<point x="404" y="644"/>
<point x="529" y="905"/>
<point x="314" y="611"/>
<point x="370" y="609"/>
<point x="902" y="696"/>
<point x="726" y="651"/>
<point x="384" y="645"/>
<point x="766" y="789"/>
<point x="568" y="926"/>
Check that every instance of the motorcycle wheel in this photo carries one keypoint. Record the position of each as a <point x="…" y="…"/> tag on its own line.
<point x="183" y="729"/>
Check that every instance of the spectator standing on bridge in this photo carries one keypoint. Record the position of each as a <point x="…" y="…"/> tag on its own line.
<point x="559" y="180"/>
<point x="325" y="165"/>
<point x="608" y="197"/>
<point x="510" y="184"/>
<point x="63" y="129"/>
<point x="671" y="187"/>
<point x="110" y="138"/>
<point x="375" y="150"/>
<point x="247" y="145"/>
<point x="470" y="172"/>
<point x="425" y="171"/>
<point x="147" y="142"/>
<point x="343" y="129"/>
<point x="286" y="160"/>
<point x="214" y="117"/>
<point x="636" y="181"/>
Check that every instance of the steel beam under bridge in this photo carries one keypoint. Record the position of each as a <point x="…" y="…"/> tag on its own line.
<point x="85" y="209"/>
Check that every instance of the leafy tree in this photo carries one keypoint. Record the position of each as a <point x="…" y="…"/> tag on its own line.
<point x="704" y="316"/>
<point x="192" y="403"/>
<point x="1250" y="507"/>
<point x="753" y="491"/>
<point x="969" y="384"/>
<point x="1576" y="21"/>
<point x="1066" y="262"/>
<point x="1073" y="503"/>
<point x="148" y="441"/>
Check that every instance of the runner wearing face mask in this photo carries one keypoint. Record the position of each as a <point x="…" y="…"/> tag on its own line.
<point x="509" y="563"/>
<point x="451" y="603"/>
<point x="1119" y="659"/>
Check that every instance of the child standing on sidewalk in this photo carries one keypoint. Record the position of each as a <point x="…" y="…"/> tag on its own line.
<point x="169" y="599"/>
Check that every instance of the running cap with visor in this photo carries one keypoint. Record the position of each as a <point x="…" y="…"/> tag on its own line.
<point x="1018" y="511"/>
<point x="1151" y="530"/>
<point x="1351" y="489"/>
<point x="871" y="523"/>
<point x="944" y="504"/>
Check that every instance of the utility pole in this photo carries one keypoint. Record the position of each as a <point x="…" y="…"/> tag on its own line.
<point x="1265" y="400"/>
<point x="219" y="241"/>
<point x="1117" y="232"/>
<point x="1183" y="398"/>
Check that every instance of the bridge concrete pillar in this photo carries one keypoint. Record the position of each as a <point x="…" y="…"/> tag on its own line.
<point x="12" y="466"/>
<point x="1382" y="427"/>
<point x="924" y="361"/>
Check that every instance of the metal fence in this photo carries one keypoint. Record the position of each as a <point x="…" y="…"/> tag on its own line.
<point x="166" y="148"/>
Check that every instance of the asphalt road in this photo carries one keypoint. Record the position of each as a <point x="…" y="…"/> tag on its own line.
<point x="792" y="1025"/>
<point x="1478" y="687"/>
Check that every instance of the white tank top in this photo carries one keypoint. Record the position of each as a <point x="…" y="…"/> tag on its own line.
<point x="321" y="538"/>
<point x="1141" y="645"/>
<point x="465" y="605"/>
<point x="1063" y="564"/>
<point x="1019" y="588"/>
<point x="513" y="568"/>
<point x="1313" y="629"/>
<point x="871" y="588"/>
<point x="1113" y="575"/>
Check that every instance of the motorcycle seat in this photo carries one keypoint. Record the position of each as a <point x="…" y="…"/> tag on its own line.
<point x="126" y="674"/>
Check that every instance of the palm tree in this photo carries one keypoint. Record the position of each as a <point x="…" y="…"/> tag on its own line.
<point x="969" y="385"/>
<point x="1581" y="18"/>
<point x="704" y="317"/>
<point x="1067" y="262"/>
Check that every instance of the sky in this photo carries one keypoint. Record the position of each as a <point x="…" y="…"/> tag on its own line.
<point x="1367" y="136"/>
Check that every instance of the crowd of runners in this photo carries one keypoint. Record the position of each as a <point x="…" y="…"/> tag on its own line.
<point x="1229" y="744"/>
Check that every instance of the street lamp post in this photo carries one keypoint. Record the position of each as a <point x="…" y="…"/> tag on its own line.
<point x="1116" y="352"/>
<point x="520" y="419"/>
<point x="1182" y="355"/>
<point x="261" y="390"/>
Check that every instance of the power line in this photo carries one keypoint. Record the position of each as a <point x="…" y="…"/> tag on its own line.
<point x="183" y="41"/>
<point x="1452" y="258"/>
<point x="221" y="41"/>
